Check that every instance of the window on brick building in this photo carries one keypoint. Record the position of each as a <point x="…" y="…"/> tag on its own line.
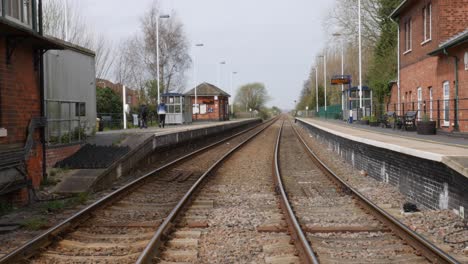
<point x="408" y="35"/>
<point x="427" y="20"/>
<point x="466" y="61"/>
<point x="19" y="10"/>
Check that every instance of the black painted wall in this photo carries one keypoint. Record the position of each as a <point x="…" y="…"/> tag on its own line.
<point x="430" y="184"/>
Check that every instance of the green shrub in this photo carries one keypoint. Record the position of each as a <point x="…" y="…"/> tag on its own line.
<point x="34" y="223"/>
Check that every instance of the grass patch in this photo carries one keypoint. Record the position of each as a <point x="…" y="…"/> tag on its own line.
<point x="54" y="206"/>
<point x="35" y="223"/>
<point x="78" y="199"/>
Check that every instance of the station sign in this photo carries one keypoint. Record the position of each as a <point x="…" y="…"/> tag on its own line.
<point x="340" y="79"/>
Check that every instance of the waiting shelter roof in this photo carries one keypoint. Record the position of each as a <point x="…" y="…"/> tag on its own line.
<point x="207" y="89"/>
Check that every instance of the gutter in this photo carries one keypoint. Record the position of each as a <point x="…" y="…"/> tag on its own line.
<point x="398" y="58"/>
<point x="42" y="94"/>
<point x="455" y="125"/>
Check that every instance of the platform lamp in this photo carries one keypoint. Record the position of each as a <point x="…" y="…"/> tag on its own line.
<point x="232" y="91"/>
<point x="360" y="55"/>
<point x="157" y="53"/>
<point x="324" y="56"/>
<point x="316" y="89"/>
<point x="338" y="35"/>
<point x="220" y="72"/>
<point x="195" y="77"/>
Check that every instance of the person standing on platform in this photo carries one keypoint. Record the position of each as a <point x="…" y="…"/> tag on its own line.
<point x="162" y="110"/>
<point x="143" y="116"/>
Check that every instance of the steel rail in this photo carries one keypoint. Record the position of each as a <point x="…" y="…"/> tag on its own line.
<point x="156" y="241"/>
<point x="305" y="250"/>
<point x="427" y="249"/>
<point x="27" y="250"/>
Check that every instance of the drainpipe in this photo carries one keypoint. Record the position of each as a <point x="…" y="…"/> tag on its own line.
<point x="398" y="65"/>
<point x="42" y="94"/>
<point x="455" y="60"/>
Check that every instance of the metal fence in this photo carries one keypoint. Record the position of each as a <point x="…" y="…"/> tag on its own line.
<point x="114" y="121"/>
<point x="66" y="122"/>
<point x="447" y="113"/>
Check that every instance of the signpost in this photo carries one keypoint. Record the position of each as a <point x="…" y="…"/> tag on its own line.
<point x="341" y="80"/>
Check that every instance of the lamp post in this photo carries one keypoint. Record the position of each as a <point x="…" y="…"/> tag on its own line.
<point x="316" y="89"/>
<point x="232" y="91"/>
<point x="324" y="56"/>
<point x="220" y="72"/>
<point x="338" y="35"/>
<point x="195" y="77"/>
<point x="360" y="56"/>
<point x="157" y="54"/>
<point x="124" y="107"/>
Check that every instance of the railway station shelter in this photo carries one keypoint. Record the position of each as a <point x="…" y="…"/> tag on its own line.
<point x="212" y="103"/>
<point x="179" y="109"/>
<point x="351" y="97"/>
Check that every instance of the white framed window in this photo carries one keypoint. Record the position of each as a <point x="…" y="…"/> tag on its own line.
<point x="466" y="61"/>
<point x="446" y="105"/>
<point x="431" y="98"/>
<point x="19" y="11"/>
<point x="427" y="20"/>
<point x="420" y="102"/>
<point x="408" y="36"/>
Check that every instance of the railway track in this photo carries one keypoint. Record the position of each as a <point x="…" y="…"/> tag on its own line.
<point x="233" y="217"/>
<point x="118" y="227"/>
<point x="339" y="224"/>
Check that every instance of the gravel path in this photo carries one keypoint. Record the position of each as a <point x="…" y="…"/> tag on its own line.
<point x="443" y="228"/>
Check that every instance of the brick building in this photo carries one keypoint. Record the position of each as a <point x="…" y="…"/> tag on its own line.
<point x="433" y="71"/>
<point x="132" y="95"/>
<point x="213" y="103"/>
<point x="22" y="144"/>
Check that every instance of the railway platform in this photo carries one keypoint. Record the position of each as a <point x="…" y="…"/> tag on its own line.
<point x="451" y="151"/>
<point x="430" y="170"/>
<point x="137" y="143"/>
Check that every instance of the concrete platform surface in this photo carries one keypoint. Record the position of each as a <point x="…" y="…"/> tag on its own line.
<point x="453" y="152"/>
<point x="140" y="141"/>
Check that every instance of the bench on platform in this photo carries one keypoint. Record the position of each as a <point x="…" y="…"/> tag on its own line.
<point x="409" y="120"/>
<point x="388" y="119"/>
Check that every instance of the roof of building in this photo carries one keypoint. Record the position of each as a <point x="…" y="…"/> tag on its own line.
<point x="12" y="29"/>
<point x="71" y="46"/>
<point x="207" y="89"/>
<point x="171" y="94"/>
<point x="456" y="40"/>
<point x="399" y="8"/>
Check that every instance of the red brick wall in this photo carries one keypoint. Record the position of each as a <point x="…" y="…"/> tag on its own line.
<point x="452" y="18"/>
<point x="55" y="155"/>
<point x="218" y="106"/>
<point x="433" y="72"/>
<point x="418" y="50"/>
<point x="421" y="70"/>
<point x="20" y="101"/>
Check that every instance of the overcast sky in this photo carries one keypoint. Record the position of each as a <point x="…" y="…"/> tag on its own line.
<point x="268" y="41"/>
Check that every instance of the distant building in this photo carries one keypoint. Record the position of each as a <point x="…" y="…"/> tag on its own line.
<point x="213" y="103"/>
<point x="132" y="94"/>
<point x="22" y="108"/>
<point x="433" y="52"/>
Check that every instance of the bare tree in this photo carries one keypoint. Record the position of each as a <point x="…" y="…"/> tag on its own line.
<point x="173" y="49"/>
<point x="64" y="20"/>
